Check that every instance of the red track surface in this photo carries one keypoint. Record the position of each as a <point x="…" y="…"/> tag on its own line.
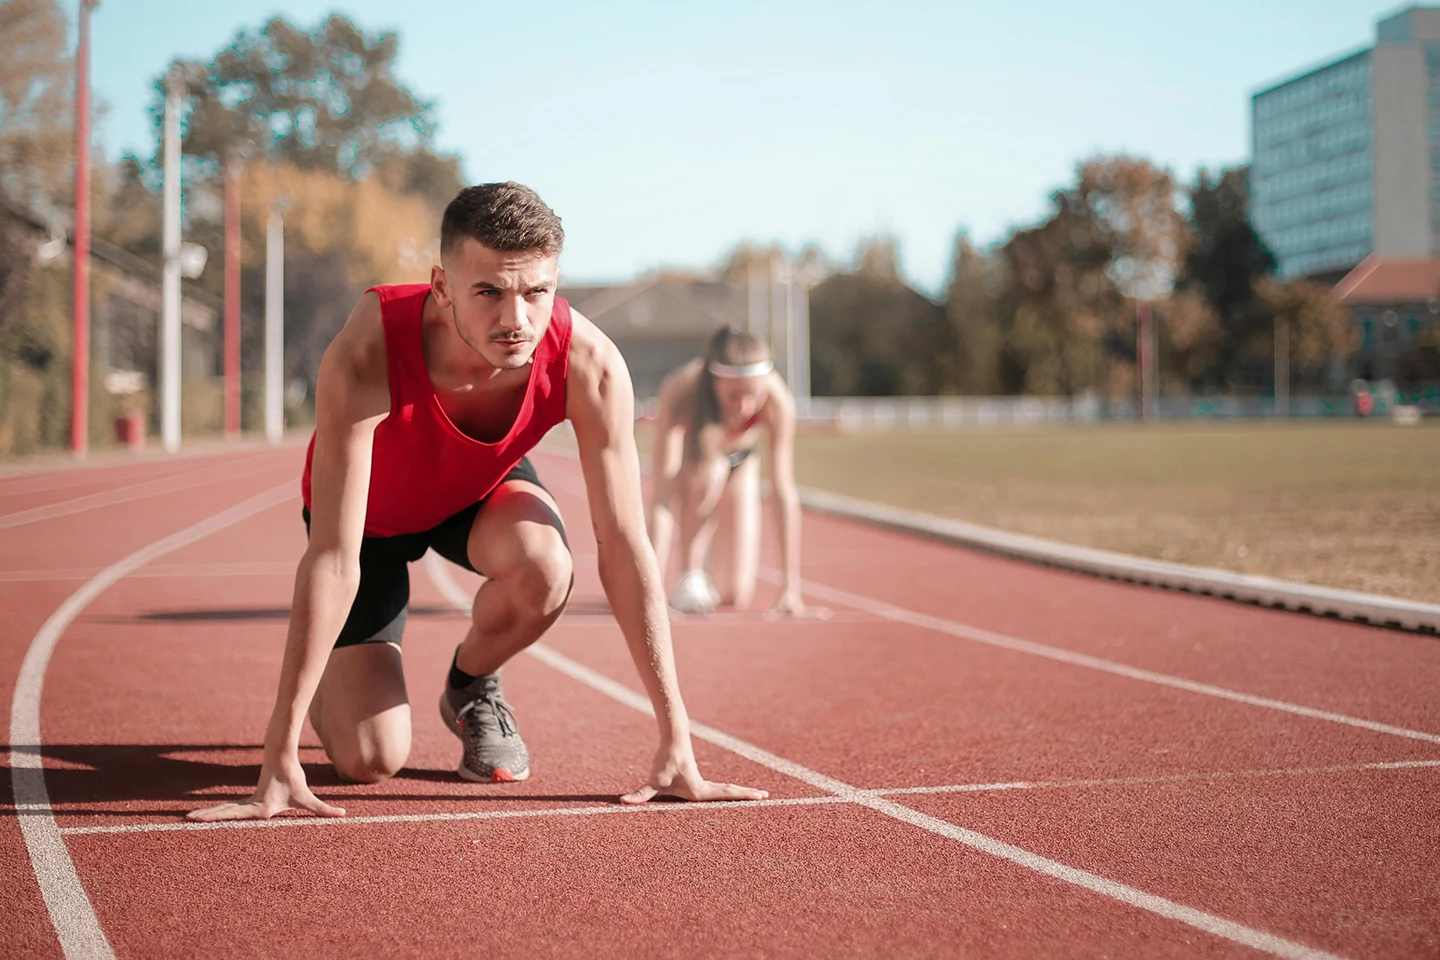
<point x="1101" y="813"/>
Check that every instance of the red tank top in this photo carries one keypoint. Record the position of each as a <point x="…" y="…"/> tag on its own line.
<point x="424" y="468"/>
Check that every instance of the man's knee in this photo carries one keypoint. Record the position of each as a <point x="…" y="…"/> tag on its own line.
<point x="542" y="582"/>
<point x="370" y="762"/>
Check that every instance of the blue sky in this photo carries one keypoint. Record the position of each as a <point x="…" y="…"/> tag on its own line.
<point x="664" y="133"/>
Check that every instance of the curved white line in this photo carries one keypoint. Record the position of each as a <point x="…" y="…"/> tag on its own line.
<point x="109" y="498"/>
<point x="439" y="573"/>
<point x="71" y="912"/>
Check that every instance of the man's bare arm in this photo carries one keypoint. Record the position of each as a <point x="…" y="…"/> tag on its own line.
<point x="352" y="397"/>
<point x="601" y="406"/>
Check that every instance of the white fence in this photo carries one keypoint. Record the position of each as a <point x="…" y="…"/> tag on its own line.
<point x="970" y="412"/>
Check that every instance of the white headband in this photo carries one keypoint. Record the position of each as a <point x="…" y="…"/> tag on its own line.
<point x="757" y="369"/>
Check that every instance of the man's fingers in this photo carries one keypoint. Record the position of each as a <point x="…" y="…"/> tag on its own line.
<point x="226" y="811"/>
<point x="643" y="795"/>
<point x="733" y="791"/>
<point x="315" y="805"/>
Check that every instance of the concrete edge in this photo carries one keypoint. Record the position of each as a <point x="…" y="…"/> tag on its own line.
<point x="1368" y="608"/>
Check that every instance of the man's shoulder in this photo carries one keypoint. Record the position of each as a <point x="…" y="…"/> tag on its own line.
<point x="592" y="353"/>
<point x="356" y="360"/>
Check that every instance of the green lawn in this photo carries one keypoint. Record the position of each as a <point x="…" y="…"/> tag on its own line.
<point x="1346" y="504"/>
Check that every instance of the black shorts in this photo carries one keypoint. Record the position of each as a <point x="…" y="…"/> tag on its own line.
<point x="383" y="599"/>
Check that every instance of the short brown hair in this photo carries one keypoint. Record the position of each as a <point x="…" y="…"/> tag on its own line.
<point x="507" y="217"/>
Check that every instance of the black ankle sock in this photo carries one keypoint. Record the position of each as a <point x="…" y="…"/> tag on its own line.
<point x="459" y="679"/>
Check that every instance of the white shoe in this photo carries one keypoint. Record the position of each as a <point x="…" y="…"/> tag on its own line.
<point x="694" y="593"/>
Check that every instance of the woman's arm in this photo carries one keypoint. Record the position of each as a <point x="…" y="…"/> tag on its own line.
<point x="666" y="456"/>
<point x="784" y="495"/>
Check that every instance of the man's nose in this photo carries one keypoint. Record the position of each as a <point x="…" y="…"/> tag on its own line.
<point x="512" y="313"/>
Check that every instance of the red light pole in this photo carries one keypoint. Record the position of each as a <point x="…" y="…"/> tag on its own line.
<point x="80" y="365"/>
<point x="232" y="296"/>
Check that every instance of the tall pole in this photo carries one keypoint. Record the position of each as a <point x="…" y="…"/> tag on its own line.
<point x="773" y="336"/>
<point x="80" y="364"/>
<point x="232" y="297"/>
<point x="790" y="343"/>
<point x="756" y="305"/>
<point x="800" y="385"/>
<point x="1282" y="368"/>
<point x="170" y="284"/>
<point x="1142" y="355"/>
<point x="274" y="326"/>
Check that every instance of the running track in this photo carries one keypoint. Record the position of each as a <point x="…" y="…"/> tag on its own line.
<point x="973" y="757"/>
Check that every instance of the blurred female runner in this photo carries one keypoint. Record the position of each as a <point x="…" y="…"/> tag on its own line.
<point x="712" y="412"/>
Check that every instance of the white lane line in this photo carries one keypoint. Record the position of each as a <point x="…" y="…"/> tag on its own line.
<point x="828" y="799"/>
<point x="963" y="631"/>
<point x="1157" y="778"/>
<point x="102" y="494"/>
<point x="1219" y="926"/>
<point x="75" y="477"/>
<point x="162" y="571"/>
<point x="308" y="821"/>
<point x="136" y="491"/>
<point x="70" y="910"/>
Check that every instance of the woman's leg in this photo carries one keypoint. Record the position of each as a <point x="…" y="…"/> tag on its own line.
<point x="735" y="552"/>
<point x="701" y="486"/>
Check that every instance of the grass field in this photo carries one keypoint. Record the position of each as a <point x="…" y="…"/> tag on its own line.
<point x="1354" y="505"/>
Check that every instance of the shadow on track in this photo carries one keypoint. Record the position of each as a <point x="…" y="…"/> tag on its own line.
<point x="185" y="776"/>
<point x="243" y="614"/>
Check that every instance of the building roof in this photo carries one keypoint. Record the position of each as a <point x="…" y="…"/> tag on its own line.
<point x="1390" y="280"/>
<point x="658" y="309"/>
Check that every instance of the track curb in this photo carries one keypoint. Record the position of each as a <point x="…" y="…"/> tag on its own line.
<point x="1368" y="608"/>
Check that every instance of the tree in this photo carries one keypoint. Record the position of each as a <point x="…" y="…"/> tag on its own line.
<point x="36" y="105"/>
<point x="1225" y="260"/>
<point x="326" y="99"/>
<point x="340" y="238"/>
<point x="872" y="335"/>
<point x="977" y="283"/>
<point x="1068" y="316"/>
<point x="1321" y="327"/>
<point x="323" y="125"/>
<point x="36" y="180"/>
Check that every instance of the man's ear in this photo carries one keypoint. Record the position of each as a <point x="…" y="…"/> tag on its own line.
<point x="440" y="286"/>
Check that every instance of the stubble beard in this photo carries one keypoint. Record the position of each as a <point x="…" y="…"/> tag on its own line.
<point x="500" y="363"/>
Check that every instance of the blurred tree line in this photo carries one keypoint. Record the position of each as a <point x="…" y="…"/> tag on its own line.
<point x="1052" y="309"/>
<point x="316" y="122"/>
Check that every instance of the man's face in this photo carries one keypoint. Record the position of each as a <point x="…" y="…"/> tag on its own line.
<point x="500" y="302"/>
<point x="740" y="397"/>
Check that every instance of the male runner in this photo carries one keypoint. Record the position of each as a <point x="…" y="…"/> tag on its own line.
<point x="427" y="401"/>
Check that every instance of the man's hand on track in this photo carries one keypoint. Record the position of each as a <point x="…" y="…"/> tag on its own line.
<point x="282" y="787"/>
<point x="676" y="775"/>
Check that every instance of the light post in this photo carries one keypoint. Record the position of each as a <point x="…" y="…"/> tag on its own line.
<point x="275" y="322"/>
<point x="80" y="366"/>
<point x="233" y="163"/>
<point x="170" y="281"/>
<point x="1282" y="367"/>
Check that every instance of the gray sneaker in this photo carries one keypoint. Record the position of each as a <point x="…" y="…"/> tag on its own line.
<point x="485" y="724"/>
